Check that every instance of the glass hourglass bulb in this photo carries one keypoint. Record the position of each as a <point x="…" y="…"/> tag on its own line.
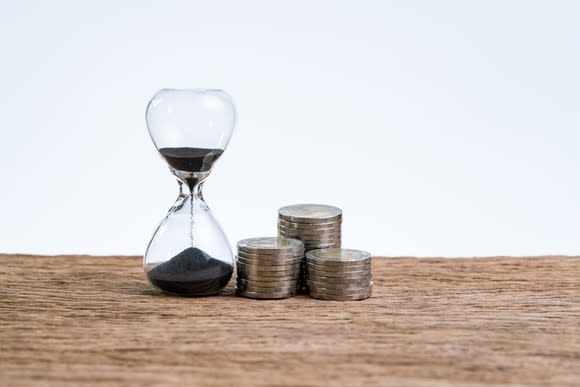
<point x="189" y="253"/>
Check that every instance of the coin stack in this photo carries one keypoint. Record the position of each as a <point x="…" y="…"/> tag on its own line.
<point x="317" y="225"/>
<point x="339" y="274"/>
<point x="268" y="268"/>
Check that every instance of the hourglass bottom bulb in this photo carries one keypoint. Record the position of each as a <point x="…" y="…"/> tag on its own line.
<point x="191" y="272"/>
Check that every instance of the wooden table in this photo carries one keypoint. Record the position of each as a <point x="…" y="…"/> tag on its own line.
<point x="79" y="320"/>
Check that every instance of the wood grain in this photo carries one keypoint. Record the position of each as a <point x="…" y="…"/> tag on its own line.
<point x="80" y="320"/>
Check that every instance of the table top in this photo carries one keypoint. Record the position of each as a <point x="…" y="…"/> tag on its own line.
<point x="82" y="320"/>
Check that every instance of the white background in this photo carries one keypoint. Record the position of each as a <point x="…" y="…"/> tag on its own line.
<point x="440" y="128"/>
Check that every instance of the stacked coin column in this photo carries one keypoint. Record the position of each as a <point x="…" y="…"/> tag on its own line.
<point x="317" y="225"/>
<point x="268" y="268"/>
<point x="339" y="274"/>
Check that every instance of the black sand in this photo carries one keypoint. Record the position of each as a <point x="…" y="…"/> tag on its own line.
<point x="191" y="159"/>
<point x="191" y="272"/>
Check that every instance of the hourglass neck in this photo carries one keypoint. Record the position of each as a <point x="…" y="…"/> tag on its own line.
<point x="190" y="182"/>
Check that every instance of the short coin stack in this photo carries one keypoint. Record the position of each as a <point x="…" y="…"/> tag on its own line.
<point x="268" y="268"/>
<point x="317" y="225"/>
<point x="339" y="274"/>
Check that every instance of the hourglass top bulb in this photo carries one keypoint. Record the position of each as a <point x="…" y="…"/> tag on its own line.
<point x="191" y="127"/>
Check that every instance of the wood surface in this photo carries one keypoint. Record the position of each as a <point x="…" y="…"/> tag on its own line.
<point x="81" y="320"/>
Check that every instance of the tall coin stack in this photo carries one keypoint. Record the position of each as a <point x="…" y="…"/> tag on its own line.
<point x="268" y="268"/>
<point x="339" y="274"/>
<point x="317" y="225"/>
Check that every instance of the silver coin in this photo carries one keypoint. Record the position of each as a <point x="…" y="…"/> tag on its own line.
<point x="270" y="245"/>
<point x="309" y="240"/>
<point x="267" y="284"/>
<point x="336" y="274"/>
<point x="270" y="261"/>
<point x="365" y="265"/>
<point x="267" y="295"/>
<point x="297" y="234"/>
<point x="277" y="270"/>
<point x="269" y="276"/>
<point x="319" y="241"/>
<point x="260" y="296"/>
<point x="317" y="292"/>
<point x="305" y="227"/>
<point x="252" y="271"/>
<point x="337" y="265"/>
<point x="270" y="279"/>
<point x="304" y="231"/>
<point x="267" y="290"/>
<point x="337" y="278"/>
<point x="301" y="236"/>
<point x="271" y="287"/>
<point x="262" y="286"/>
<point x="339" y="285"/>
<point x="310" y="226"/>
<point x="321" y="224"/>
<point x="272" y="258"/>
<point x="337" y="255"/>
<point x="338" y="271"/>
<point x="321" y="246"/>
<point x="270" y="270"/>
<point x="336" y="290"/>
<point x="332" y="289"/>
<point x="344" y="291"/>
<point x="269" y="258"/>
<point x="287" y="272"/>
<point x="310" y="213"/>
<point x="322" y="243"/>
<point x="339" y="282"/>
<point x="350" y="272"/>
<point x="327" y="297"/>
<point x="279" y="253"/>
<point x="318" y="248"/>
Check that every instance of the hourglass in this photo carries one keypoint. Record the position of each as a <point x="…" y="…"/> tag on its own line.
<point x="189" y="253"/>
